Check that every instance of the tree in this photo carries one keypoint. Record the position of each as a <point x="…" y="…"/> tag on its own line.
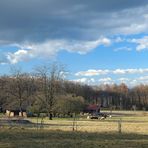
<point x="49" y="76"/>
<point x="19" y="90"/>
<point x="68" y="104"/>
<point x="3" y="92"/>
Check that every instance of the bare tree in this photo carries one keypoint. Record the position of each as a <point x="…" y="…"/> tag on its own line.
<point x="49" y="76"/>
<point x="19" y="89"/>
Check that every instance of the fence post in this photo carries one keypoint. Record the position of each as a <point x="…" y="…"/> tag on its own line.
<point x="119" y="126"/>
<point x="37" y="123"/>
<point x="74" y="119"/>
<point x="42" y="123"/>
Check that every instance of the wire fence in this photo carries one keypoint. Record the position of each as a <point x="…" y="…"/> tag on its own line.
<point x="79" y="125"/>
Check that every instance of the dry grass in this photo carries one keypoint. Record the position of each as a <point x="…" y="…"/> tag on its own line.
<point x="65" y="139"/>
<point x="132" y="122"/>
<point x="90" y="133"/>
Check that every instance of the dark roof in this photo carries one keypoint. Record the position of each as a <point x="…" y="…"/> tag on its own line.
<point x="16" y="110"/>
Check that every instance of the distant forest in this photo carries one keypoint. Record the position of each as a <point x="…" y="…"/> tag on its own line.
<point x="47" y="90"/>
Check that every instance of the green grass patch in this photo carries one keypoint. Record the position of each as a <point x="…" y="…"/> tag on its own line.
<point x="63" y="139"/>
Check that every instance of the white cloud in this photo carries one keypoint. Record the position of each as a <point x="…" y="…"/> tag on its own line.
<point x="105" y="79"/>
<point x="143" y="78"/>
<point x="131" y="82"/>
<point x="51" y="47"/>
<point x="130" y="71"/>
<point x="92" y="81"/>
<point x="85" y="81"/>
<point x="119" y="71"/>
<point x="136" y="81"/>
<point x="93" y="72"/>
<point x="82" y="47"/>
<point x="123" y="48"/>
<point x="18" y="56"/>
<point x="123" y="79"/>
<point x="119" y="39"/>
<point x="142" y="43"/>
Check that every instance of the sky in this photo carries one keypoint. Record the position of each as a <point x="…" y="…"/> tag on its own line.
<point x="99" y="41"/>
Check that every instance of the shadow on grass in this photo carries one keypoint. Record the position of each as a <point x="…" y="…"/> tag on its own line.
<point x="64" y="139"/>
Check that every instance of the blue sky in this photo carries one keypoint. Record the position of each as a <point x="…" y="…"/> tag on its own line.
<point x="100" y="42"/>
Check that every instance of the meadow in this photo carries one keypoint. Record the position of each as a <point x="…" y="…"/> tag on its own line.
<point x="131" y="122"/>
<point x="58" y="133"/>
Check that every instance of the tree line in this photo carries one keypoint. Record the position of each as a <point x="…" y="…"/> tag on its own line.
<point x="47" y="91"/>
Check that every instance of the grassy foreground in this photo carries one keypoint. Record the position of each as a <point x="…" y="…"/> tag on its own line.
<point x="18" y="138"/>
<point x="90" y="133"/>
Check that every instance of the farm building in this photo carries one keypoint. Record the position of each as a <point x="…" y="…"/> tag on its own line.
<point x="92" y="109"/>
<point x="16" y="113"/>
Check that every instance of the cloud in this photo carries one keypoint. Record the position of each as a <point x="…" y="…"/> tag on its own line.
<point x="38" y="21"/>
<point x="94" y="72"/>
<point x="134" y="83"/>
<point x="137" y="81"/>
<point x="50" y="48"/>
<point x="85" y="80"/>
<point x="105" y="79"/>
<point x="130" y="71"/>
<point x="123" y="79"/>
<point x="143" y="78"/>
<point x="123" y="49"/>
<point x="18" y="56"/>
<point x="119" y="39"/>
<point x="92" y="81"/>
<point x="142" y="43"/>
<point x="43" y="28"/>
<point x="130" y="82"/>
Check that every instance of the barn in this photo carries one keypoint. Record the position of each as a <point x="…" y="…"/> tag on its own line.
<point x="16" y="113"/>
<point x="93" y="109"/>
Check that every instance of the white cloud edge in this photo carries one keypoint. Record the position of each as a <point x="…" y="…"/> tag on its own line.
<point x="142" y="43"/>
<point x="110" y="81"/>
<point x="50" y="48"/>
<point x="94" y="72"/>
<point x="124" y="48"/>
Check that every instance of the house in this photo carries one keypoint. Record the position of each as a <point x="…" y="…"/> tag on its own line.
<point x="16" y="113"/>
<point x="92" y="109"/>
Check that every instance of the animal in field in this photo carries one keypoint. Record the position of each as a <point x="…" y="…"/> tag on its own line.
<point x="104" y="116"/>
<point x="94" y="117"/>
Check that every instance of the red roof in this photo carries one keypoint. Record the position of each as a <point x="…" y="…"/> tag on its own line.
<point x="93" y="107"/>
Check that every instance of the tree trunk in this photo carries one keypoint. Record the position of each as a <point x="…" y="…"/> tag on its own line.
<point x="50" y="116"/>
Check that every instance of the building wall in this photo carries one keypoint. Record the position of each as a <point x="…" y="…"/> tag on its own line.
<point x="12" y="114"/>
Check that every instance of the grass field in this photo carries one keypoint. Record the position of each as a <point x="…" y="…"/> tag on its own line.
<point x="132" y="122"/>
<point x="66" y="139"/>
<point x="89" y="134"/>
